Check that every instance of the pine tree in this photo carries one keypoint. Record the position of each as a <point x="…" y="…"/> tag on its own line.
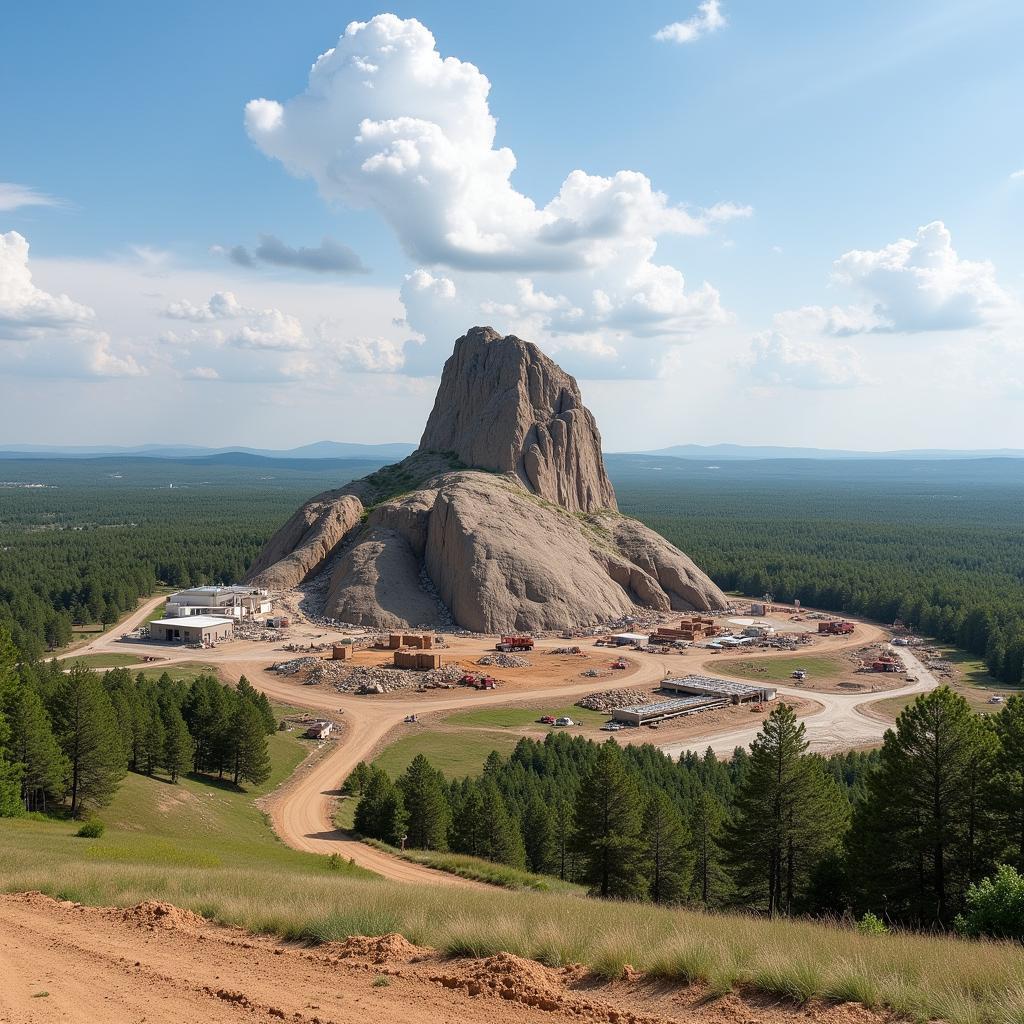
<point x="539" y="835"/>
<point x="607" y="827"/>
<point x="380" y="813"/>
<point x="35" y="748"/>
<point x="86" y="728"/>
<point x="503" y="842"/>
<point x="909" y="846"/>
<point x="426" y="805"/>
<point x="469" y="833"/>
<point x="1009" y="781"/>
<point x="154" y="739"/>
<point x="667" y="857"/>
<point x="789" y="815"/>
<point x="177" y="743"/>
<point x="707" y="822"/>
<point x="250" y="756"/>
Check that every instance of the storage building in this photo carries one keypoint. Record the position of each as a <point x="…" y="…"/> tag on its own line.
<point x="238" y="602"/>
<point x="708" y="686"/>
<point x="192" y="629"/>
<point x="661" y="710"/>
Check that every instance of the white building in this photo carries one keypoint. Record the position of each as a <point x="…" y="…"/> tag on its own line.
<point x="238" y="602"/>
<point x="192" y="629"/>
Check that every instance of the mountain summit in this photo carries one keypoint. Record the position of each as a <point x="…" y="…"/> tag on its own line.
<point x="502" y="519"/>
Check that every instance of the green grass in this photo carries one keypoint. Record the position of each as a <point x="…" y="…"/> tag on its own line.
<point x="480" y="870"/>
<point x="819" y="668"/>
<point x="184" y="671"/>
<point x="104" y="660"/>
<point x="456" y="754"/>
<point x="514" y="718"/>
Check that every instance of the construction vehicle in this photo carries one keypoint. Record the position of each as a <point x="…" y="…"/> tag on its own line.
<point x="620" y="664"/>
<point x="799" y="674"/>
<point x="546" y="719"/>
<point x="519" y="642"/>
<point x="477" y="682"/>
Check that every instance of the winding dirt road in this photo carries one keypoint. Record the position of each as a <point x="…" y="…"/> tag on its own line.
<point x="302" y="809"/>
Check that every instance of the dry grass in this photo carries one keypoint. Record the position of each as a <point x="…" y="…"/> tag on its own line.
<point x="919" y="976"/>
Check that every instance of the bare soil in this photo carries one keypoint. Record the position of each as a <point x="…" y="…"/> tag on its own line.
<point x="63" y="962"/>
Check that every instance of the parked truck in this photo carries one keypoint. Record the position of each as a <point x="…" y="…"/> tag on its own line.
<point x="518" y="642"/>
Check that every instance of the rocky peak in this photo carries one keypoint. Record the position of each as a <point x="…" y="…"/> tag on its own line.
<point x="503" y="405"/>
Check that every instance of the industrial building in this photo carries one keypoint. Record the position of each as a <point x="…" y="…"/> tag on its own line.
<point x="629" y="639"/>
<point x="192" y="629"/>
<point x="661" y="710"/>
<point x="238" y="602"/>
<point x="708" y="686"/>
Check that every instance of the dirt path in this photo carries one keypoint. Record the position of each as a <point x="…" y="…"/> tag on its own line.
<point x="104" y="640"/>
<point x="62" y="963"/>
<point x="843" y="723"/>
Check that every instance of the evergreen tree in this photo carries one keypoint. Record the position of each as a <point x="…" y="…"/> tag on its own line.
<point x="426" y="805"/>
<point x="910" y="845"/>
<point x="607" y="827"/>
<point x="707" y="823"/>
<point x="503" y="842"/>
<point x="86" y="728"/>
<point x="667" y="857"/>
<point x="539" y="835"/>
<point x="154" y="739"/>
<point x="469" y="831"/>
<point x="380" y="813"/>
<point x="250" y="756"/>
<point x="1008" y="788"/>
<point x="177" y="743"/>
<point x="789" y="815"/>
<point x="43" y="765"/>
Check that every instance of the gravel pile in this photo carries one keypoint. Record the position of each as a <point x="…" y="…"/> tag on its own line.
<point x="609" y="700"/>
<point x="377" y="679"/>
<point x="503" y="660"/>
<point x="294" y="666"/>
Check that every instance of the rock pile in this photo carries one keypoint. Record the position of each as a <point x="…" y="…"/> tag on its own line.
<point x="609" y="700"/>
<point x="364" y="679"/>
<point x="503" y="660"/>
<point x="294" y="666"/>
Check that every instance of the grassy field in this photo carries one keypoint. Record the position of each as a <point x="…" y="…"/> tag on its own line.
<point x="481" y="870"/>
<point x="104" y="660"/>
<point x="819" y="668"/>
<point x="302" y="898"/>
<point x="455" y="753"/>
<point x="185" y="671"/>
<point x="515" y="718"/>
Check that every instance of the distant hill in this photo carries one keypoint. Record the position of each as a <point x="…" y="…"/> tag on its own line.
<point x="728" y="452"/>
<point x="316" y="450"/>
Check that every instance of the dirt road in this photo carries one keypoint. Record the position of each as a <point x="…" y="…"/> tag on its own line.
<point x="841" y="724"/>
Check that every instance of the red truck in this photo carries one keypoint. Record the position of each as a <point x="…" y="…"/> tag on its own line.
<point x="514" y="643"/>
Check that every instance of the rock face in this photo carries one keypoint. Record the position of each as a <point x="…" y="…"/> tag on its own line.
<point x="535" y="542"/>
<point x="504" y="405"/>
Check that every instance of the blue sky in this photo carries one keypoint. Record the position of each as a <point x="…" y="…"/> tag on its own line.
<point x="814" y="130"/>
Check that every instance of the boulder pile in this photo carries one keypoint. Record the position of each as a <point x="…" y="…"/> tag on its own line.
<point x="503" y="660"/>
<point x="609" y="700"/>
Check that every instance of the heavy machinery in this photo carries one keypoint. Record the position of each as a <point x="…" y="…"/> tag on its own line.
<point x="518" y="642"/>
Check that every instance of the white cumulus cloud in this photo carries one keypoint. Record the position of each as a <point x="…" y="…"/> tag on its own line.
<point x="387" y="123"/>
<point x="921" y="284"/>
<point x="245" y="327"/>
<point x="778" y="361"/>
<point x="709" y="18"/>
<point x="49" y="335"/>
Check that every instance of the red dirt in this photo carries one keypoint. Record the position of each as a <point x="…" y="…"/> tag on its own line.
<point x="64" y="962"/>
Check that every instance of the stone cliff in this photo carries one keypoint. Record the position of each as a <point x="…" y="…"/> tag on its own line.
<point x="504" y="518"/>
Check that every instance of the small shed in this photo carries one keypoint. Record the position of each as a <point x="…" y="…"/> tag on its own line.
<point x="192" y="629"/>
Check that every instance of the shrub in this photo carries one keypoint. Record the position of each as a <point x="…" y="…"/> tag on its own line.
<point x="91" y="829"/>
<point x="869" y="924"/>
<point x="995" y="906"/>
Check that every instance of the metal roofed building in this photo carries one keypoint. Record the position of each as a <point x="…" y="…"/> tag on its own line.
<point x="236" y="601"/>
<point x="659" y="711"/>
<point x="709" y="686"/>
<point x="192" y="629"/>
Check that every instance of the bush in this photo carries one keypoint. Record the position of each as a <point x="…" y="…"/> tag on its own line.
<point x="91" y="830"/>
<point x="869" y="924"/>
<point x="995" y="906"/>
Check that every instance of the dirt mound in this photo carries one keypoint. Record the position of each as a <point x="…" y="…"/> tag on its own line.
<point x="380" y="949"/>
<point x="509" y="977"/>
<point x="155" y="914"/>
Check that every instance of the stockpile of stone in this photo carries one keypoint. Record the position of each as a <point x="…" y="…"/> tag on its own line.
<point x="380" y="679"/>
<point x="248" y="629"/>
<point x="294" y="666"/>
<point x="503" y="660"/>
<point x="593" y="673"/>
<point x="609" y="700"/>
<point x="565" y="650"/>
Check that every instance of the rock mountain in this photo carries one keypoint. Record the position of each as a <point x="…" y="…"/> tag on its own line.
<point x="502" y="519"/>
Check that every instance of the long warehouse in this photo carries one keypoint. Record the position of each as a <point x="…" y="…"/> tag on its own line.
<point x="659" y="711"/>
<point x="709" y="686"/>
